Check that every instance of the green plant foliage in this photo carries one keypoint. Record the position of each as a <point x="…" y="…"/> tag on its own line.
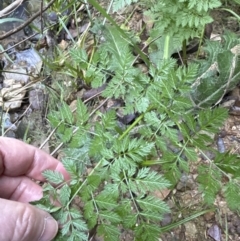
<point x="182" y="20"/>
<point x="219" y="73"/>
<point x="210" y="184"/>
<point x="53" y="177"/>
<point x="170" y="130"/>
<point x="117" y="5"/>
<point x="4" y="20"/>
<point x="232" y="195"/>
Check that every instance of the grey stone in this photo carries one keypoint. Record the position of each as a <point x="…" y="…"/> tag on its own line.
<point x="36" y="98"/>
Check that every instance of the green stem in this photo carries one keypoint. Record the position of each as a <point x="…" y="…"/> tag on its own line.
<point x="131" y="127"/>
<point x="166" y="47"/>
<point x="200" y="42"/>
<point x="184" y="51"/>
<point x="232" y="12"/>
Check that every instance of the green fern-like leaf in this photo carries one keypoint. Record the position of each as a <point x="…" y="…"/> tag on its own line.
<point x="70" y="167"/>
<point x="54" y="118"/>
<point x="65" y="133"/>
<point x="120" y="4"/>
<point x="53" y="176"/>
<point x="210" y="184"/>
<point x="229" y="163"/>
<point x="82" y="112"/>
<point x="66" y="113"/>
<point x="232" y="195"/>
<point x="110" y="216"/>
<point x="145" y="231"/>
<point x="153" y="206"/>
<point x="64" y="194"/>
<point x="211" y="120"/>
<point x="106" y="201"/>
<point x="79" y="56"/>
<point x="109" y="232"/>
<point x="147" y="181"/>
<point x="93" y="182"/>
<point x="90" y="214"/>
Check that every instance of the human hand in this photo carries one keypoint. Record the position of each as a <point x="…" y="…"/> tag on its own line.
<point x="20" y="165"/>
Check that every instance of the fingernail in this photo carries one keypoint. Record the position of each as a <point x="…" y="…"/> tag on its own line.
<point x="50" y="229"/>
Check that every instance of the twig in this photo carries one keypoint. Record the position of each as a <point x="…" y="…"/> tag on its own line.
<point x="41" y="16"/>
<point x="27" y="22"/>
<point x="11" y="7"/>
<point x="13" y="46"/>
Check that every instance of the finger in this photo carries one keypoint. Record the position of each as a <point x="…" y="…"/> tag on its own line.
<point x="20" y="189"/>
<point x="23" y="222"/>
<point x="18" y="159"/>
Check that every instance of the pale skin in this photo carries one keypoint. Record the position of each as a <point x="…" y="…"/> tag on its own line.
<point x="20" y="166"/>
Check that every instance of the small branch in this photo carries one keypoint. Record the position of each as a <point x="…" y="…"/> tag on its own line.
<point x="11" y="7"/>
<point x="27" y="22"/>
<point x="13" y="46"/>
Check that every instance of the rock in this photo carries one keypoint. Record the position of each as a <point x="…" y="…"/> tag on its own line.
<point x="8" y="83"/>
<point x="186" y="183"/>
<point x="73" y="33"/>
<point x="167" y="219"/>
<point x="36" y="98"/>
<point x="238" y="230"/>
<point x="17" y="74"/>
<point x="27" y="62"/>
<point x="11" y="97"/>
<point x="209" y="216"/>
<point x="80" y="93"/>
<point x="73" y="105"/>
<point x="191" y="230"/>
<point x="214" y="232"/>
<point x="10" y="134"/>
<point x="32" y="127"/>
<point x="236" y="221"/>
<point x="53" y="17"/>
<point x="73" y="108"/>
<point x="161" y="194"/>
<point x="94" y="92"/>
<point x="6" y="122"/>
<point x="7" y="127"/>
<point x="31" y="59"/>
<point x="127" y="119"/>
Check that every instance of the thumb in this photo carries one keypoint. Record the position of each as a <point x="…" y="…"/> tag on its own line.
<point x="23" y="222"/>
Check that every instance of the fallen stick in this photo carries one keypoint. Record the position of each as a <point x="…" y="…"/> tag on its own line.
<point x="10" y="7"/>
<point x="3" y="36"/>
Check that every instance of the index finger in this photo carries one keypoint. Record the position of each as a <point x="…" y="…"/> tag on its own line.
<point x="20" y="159"/>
